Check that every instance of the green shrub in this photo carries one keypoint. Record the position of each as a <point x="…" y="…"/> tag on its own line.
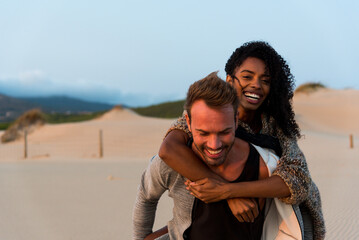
<point x="4" y="126"/>
<point x="163" y="110"/>
<point x="65" y="118"/>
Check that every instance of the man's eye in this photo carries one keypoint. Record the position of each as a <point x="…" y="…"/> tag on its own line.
<point x="266" y="81"/>
<point x="224" y="133"/>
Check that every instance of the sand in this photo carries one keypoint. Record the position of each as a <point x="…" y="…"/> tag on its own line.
<point x="64" y="190"/>
<point x="327" y="118"/>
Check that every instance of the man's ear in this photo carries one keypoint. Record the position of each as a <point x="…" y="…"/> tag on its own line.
<point x="229" y="79"/>
<point x="188" y="122"/>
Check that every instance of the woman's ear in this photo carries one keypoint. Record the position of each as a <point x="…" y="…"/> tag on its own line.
<point x="229" y="79"/>
<point x="188" y="120"/>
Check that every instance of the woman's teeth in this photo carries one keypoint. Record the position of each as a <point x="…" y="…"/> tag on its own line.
<point x="252" y="95"/>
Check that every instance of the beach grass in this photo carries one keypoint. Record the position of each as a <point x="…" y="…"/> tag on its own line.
<point x="309" y="87"/>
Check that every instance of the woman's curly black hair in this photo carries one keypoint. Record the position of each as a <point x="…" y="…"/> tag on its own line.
<point x="278" y="103"/>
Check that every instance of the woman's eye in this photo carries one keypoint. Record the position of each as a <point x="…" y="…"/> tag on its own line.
<point x="246" y="77"/>
<point x="266" y="81"/>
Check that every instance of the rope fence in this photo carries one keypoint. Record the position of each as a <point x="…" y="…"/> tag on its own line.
<point x="96" y="146"/>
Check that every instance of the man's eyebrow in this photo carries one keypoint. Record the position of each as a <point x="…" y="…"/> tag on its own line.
<point x="224" y="130"/>
<point x="200" y="130"/>
<point x="227" y="129"/>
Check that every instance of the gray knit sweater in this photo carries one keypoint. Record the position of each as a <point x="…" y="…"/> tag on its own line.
<point x="157" y="178"/>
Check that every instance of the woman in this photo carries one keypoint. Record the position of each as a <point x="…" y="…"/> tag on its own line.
<point x="264" y="86"/>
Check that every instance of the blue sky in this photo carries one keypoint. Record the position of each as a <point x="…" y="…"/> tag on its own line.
<point x="143" y="52"/>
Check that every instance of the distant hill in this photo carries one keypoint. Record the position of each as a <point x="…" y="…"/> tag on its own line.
<point x="63" y="104"/>
<point x="58" y="106"/>
<point x="162" y="110"/>
<point x="11" y="108"/>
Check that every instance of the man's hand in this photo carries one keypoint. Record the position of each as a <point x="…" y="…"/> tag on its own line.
<point x="208" y="189"/>
<point x="244" y="209"/>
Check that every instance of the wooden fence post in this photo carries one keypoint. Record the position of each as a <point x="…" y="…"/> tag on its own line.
<point x="100" y="144"/>
<point x="25" y="144"/>
<point x="351" y="141"/>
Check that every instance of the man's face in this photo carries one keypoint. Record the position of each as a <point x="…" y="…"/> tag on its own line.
<point x="213" y="131"/>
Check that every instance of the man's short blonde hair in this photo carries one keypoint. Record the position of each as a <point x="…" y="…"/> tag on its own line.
<point x="214" y="91"/>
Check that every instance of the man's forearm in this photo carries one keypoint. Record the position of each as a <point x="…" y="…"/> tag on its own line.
<point x="143" y="218"/>
<point x="151" y="188"/>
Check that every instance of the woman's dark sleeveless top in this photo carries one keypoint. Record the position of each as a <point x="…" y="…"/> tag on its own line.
<point x="215" y="221"/>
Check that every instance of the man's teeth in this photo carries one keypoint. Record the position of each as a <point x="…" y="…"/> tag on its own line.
<point x="214" y="152"/>
<point x="252" y="95"/>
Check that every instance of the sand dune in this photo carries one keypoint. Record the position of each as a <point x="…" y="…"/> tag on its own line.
<point x="67" y="192"/>
<point x="327" y="110"/>
<point x="326" y="118"/>
<point x="126" y="136"/>
<point x="119" y="114"/>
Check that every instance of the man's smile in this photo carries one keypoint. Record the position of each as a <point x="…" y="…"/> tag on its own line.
<point x="214" y="153"/>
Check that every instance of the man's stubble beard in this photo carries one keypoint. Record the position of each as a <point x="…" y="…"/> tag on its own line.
<point x="204" y="156"/>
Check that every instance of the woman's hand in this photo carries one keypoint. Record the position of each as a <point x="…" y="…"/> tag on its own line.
<point x="208" y="189"/>
<point x="244" y="209"/>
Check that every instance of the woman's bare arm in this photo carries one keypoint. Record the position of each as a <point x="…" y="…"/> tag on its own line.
<point x="272" y="187"/>
<point x="176" y="154"/>
<point x="213" y="190"/>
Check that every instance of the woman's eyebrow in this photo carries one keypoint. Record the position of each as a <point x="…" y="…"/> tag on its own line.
<point x="247" y="71"/>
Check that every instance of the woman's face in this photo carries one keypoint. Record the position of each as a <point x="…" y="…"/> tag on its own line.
<point x="252" y="82"/>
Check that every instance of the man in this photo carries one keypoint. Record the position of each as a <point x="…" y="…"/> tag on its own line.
<point x="211" y="116"/>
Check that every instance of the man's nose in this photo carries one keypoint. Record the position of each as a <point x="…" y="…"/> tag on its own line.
<point x="214" y="142"/>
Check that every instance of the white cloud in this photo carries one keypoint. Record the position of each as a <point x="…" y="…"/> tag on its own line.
<point x="36" y="83"/>
<point x="32" y="77"/>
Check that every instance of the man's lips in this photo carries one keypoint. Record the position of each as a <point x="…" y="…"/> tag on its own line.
<point x="214" y="153"/>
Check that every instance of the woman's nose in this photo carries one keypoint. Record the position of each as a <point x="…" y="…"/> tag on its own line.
<point x="256" y="83"/>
